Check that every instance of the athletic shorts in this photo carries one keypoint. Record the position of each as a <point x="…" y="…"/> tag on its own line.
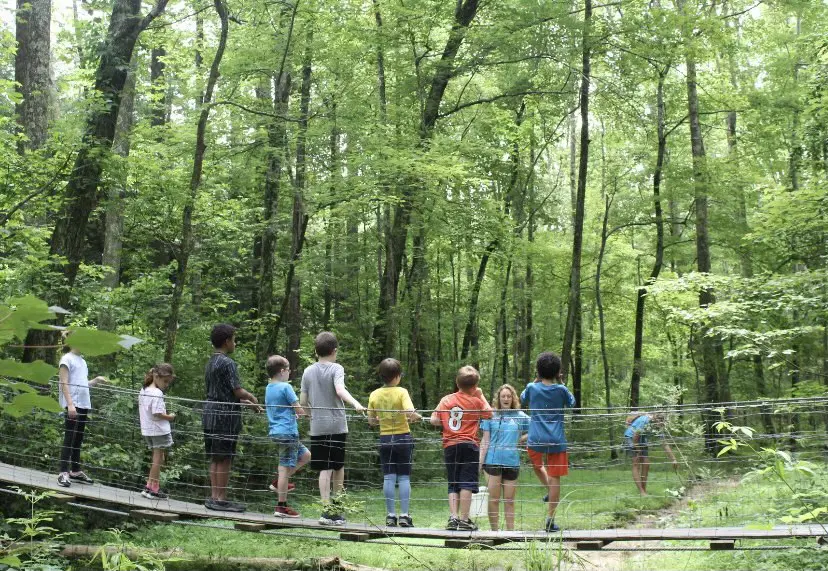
<point x="462" y="467"/>
<point x="220" y="446"/>
<point x="556" y="463"/>
<point x="290" y="449"/>
<point x="396" y="452"/>
<point x="507" y="473"/>
<point x="158" y="441"/>
<point x="328" y="451"/>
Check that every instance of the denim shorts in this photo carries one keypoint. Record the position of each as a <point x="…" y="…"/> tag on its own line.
<point x="396" y="452"/>
<point x="636" y="450"/>
<point x="158" y="441"/>
<point x="290" y="449"/>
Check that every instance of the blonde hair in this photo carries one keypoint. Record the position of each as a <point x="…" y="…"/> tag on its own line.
<point x="467" y="378"/>
<point x="515" y="397"/>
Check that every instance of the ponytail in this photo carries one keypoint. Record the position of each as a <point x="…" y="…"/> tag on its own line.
<point x="162" y="369"/>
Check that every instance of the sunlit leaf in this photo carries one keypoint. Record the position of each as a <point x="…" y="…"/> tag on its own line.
<point x="38" y="372"/>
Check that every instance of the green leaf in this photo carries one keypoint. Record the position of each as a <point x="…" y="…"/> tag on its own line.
<point x="93" y="342"/>
<point x="23" y="403"/>
<point x="11" y="561"/>
<point x="38" y="372"/>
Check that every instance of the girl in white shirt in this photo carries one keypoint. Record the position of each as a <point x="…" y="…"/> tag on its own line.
<point x="155" y="424"/>
<point x="73" y="395"/>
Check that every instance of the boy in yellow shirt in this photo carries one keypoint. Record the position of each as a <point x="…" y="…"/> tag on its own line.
<point x="391" y="408"/>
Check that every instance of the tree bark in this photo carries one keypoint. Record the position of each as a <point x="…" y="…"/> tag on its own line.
<point x="158" y="116"/>
<point x="183" y="257"/>
<point x="116" y="196"/>
<point x="31" y="71"/>
<point x="81" y="194"/>
<point x="383" y="337"/>
<point x="573" y="317"/>
<point x="641" y="294"/>
<point x="299" y="217"/>
<point x="601" y="326"/>
<point x="710" y="366"/>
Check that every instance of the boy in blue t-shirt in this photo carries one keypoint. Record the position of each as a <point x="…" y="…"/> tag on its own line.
<point x="282" y="409"/>
<point x="639" y="427"/>
<point x="546" y="399"/>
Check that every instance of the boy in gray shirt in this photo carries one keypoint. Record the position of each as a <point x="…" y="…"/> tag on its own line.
<point x="323" y="392"/>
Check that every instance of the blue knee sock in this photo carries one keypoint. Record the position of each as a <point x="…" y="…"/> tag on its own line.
<point x="405" y="493"/>
<point x="388" y="484"/>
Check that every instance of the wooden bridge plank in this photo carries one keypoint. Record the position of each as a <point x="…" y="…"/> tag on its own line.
<point x="132" y="498"/>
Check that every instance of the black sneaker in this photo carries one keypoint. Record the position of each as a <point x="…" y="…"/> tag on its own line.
<point x="391" y="521"/>
<point x="405" y="521"/>
<point x="551" y="527"/>
<point x="452" y="524"/>
<point x="81" y="478"/>
<point x="466" y="525"/>
<point x="326" y="519"/>
<point x="63" y="480"/>
<point x="223" y="506"/>
<point x="338" y="519"/>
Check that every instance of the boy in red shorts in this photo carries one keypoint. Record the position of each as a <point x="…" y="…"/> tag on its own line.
<point x="546" y="399"/>
<point x="459" y="414"/>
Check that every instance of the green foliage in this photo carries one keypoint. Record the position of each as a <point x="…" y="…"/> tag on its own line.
<point x="32" y="543"/>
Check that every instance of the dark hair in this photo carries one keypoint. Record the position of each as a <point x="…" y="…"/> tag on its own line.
<point x="162" y="370"/>
<point x="221" y="333"/>
<point x="548" y="365"/>
<point x="389" y="370"/>
<point x="276" y="364"/>
<point x="325" y="344"/>
<point x="467" y="378"/>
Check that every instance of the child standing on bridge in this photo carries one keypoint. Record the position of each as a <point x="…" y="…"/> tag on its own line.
<point x="282" y="410"/>
<point x="499" y="454"/>
<point x="396" y="445"/>
<point x="323" y="390"/>
<point x="459" y="416"/>
<point x="155" y="424"/>
<point x="546" y="399"/>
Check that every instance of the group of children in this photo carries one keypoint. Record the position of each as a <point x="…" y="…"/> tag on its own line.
<point x="462" y="416"/>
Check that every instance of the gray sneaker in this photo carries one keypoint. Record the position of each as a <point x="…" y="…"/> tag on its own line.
<point x="63" y="480"/>
<point x="466" y="525"/>
<point x="223" y="506"/>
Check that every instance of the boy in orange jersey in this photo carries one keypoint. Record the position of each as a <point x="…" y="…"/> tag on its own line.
<point x="459" y="416"/>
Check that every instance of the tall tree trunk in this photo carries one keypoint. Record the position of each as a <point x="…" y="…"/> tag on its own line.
<point x="299" y="218"/>
<point x="158" y="116"/>
<point x="641" y="294"/>
<point x="31" y="70"/>
<point x="116" y="196"/>
<point x="81" y="193"/>
<point x="383" y="337"/>
<point x="267" y="336"/>
<point x="710" y="365"/>
<point x="573" y="317"/>
<point x="601" y="326"/>
<point x="183" y="257"/>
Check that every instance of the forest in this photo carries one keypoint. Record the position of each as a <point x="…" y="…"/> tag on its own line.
<point x="638" y="185"/>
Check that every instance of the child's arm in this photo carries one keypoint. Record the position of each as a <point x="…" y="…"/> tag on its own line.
<point x="669" y="452"/>
<point x="247" y="399"/>
<point x="435" y="419"/>
<point x="63" y="376"/>
<point x="413" y="416"/>
<point x="343" y="393"/>
<point x="164" y="416"/>
<point x="484" y="448"/>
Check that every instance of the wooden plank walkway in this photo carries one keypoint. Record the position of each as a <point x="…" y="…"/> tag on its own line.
<point x="26" y="477"/>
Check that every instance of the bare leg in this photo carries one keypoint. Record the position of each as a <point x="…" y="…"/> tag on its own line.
<point x="554" y="494"/>
<point x="338" y="480"/>
<point x="645" y="472"/>
<point x="454" y="502"/>
<point x="153" y="482"/>
<point x="494" y="501"/>
<point x="465" y="503"/>
<point x="636" y="474"/>
<point x="220" y="477"/>
<point x="509" y="490"/>
<point x="285" y="472"/>
<point x="325" y="477"/>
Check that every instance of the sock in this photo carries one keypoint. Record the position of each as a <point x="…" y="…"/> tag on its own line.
<point x="282" y="504"/>
<point x="405" y="492"/>
<point x="389" y="491"/>
<point x="392" y="514"/>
